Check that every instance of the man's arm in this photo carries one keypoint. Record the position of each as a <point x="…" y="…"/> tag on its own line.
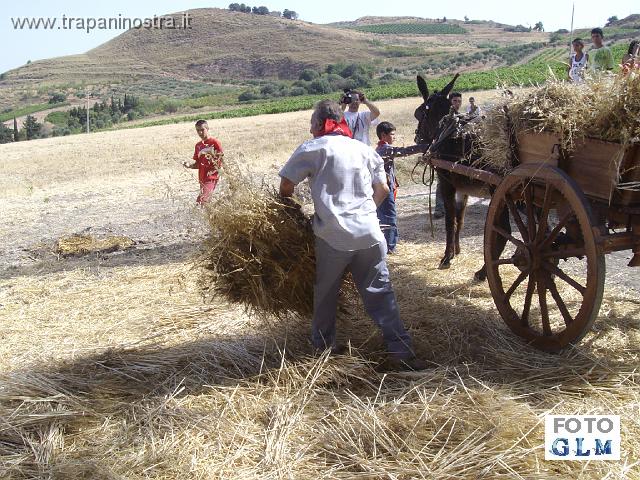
<point x="404" y="151"/>
<point x="380" y="192"/>
<point x="286" y="187"/>
<point x="375" y="112"/>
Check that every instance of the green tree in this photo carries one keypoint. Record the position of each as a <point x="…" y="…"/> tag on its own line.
<point x="290" y="14"/>
<point x="32" y="127"/>
<point x="234" y="7"/>
<point x="16" y="133"/>
<point x="539" y="27"/>
<point x="611" y="20"/>
<point x="319" y="85"/>
<point x="6" y="135"/>
<point x="57" y="97"/>
<point x="308" y="74"/>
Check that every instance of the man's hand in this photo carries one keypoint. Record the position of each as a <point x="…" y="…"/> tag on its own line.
<point x="380" y="192"/>
<point x="286" y="187"/>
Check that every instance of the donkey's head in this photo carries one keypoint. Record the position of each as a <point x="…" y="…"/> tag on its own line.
<point x="433" y="108"/>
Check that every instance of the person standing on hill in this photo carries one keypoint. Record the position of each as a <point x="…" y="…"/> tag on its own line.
<point x="347" y="181"/>
<point x="207" y="158"/>
<point x="359" y="122"/>
<point x="600" y="57"/>
<point x="577" y="62"/>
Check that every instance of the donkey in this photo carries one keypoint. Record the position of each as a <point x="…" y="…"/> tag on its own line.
<point x="455" y="148"/>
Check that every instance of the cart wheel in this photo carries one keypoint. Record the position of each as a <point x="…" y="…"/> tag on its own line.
<point x="548" y="281"/>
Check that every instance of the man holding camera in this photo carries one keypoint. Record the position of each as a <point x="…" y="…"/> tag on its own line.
<point x="359" y="122"/>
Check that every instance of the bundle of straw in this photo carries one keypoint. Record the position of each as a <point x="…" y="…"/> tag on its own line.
<point x="260" y="251"/>
<point x="83" y="244"/>
<point x="605" y="107"/>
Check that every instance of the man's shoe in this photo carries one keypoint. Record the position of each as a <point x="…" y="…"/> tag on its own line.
<point x="413" y="364"/>
<point x="335" y="350"/>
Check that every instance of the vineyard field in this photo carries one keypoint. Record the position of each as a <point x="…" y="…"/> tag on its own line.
<point x="413" y="28"/>
<point x="522" y="75"/>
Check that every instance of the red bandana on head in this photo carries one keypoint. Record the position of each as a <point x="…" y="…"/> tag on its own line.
<point x="336" y="128"/>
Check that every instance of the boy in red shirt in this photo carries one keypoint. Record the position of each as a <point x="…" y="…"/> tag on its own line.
<point x="207" y="159"/>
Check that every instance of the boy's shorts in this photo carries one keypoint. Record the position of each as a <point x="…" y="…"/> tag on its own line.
<point x="206" y="190"/>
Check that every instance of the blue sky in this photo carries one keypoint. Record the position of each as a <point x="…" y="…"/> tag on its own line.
<point x="22" y="45"/>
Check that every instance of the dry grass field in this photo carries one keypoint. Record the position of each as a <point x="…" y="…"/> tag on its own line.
<point x="113" y="365"/>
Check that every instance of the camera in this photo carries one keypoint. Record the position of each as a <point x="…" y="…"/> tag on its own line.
<point x="349" y="96"/>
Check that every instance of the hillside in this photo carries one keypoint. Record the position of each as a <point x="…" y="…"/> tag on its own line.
<point x="224" y="46"/>
<point x="229" y="59"/>
<point x="221" y="45"/>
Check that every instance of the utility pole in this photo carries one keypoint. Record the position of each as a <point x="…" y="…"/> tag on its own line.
<point x="573" y="9"/>
<point x="87" y="111"/>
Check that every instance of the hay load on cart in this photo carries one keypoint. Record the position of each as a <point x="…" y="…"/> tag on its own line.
<point x="570" y="157"/>
<point x="592" y="130"/>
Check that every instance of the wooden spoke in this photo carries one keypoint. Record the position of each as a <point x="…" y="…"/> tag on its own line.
<point x="516" y="284"/>
<point x="560" y="273"/>
<point x="559" y="302"/>
<point x="564" y="253"/>
<point x="500" y="231"/>
<point x="524" y="319"/>
<point x="554" y="233"/>
<point x="555" y="206"/>
<point x="516" y="216"/>
<point x="531" y="220"/>
<point x="503" y="261"/>
<point x="544" y="216"/>
<point x="544" y="310"/>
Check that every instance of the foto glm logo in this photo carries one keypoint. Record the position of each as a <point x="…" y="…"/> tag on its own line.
<point x="582" y="437"/>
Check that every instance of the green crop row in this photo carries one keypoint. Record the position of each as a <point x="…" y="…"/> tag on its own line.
<point x="413" y="28"/>
<point x="529" y="74"/>
<point x="28" y="110"/>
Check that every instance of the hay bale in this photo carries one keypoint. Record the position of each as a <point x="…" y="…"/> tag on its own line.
<point x="604" y="107"/>
<point x="77" y="244"/>
<point x="260" y="251"/>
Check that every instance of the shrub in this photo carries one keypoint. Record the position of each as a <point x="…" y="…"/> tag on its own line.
<point x="309" y="74"/>
<point x="57" y="97"/>
<point x="269" y="89"/>
<point x="319" y="86"/>
<point x="248" y="96"/>
<point x="170" y="106"/>
<point x="387" y="78"/>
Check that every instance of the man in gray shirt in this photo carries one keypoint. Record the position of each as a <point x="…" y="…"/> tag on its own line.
<point x="347" y="181"/>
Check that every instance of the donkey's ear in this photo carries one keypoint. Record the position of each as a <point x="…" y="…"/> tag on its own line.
<point x="447" y="89"/>
<point x="422" y="86"/>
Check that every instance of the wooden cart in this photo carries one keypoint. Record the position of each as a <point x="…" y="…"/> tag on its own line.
<point x="566" y="213"/>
